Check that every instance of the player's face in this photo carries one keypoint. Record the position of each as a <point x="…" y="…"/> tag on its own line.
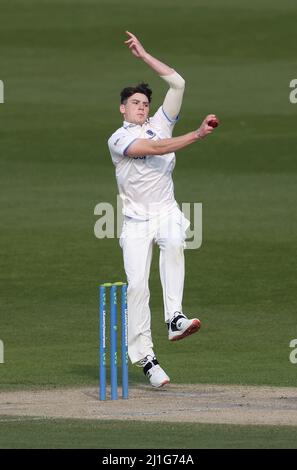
<point x="136" y="109"/>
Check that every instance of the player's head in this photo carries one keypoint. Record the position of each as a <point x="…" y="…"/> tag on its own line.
<point x="135" y="103"/>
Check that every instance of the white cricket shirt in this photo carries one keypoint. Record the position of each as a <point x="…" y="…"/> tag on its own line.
<point x="144" y="182"/>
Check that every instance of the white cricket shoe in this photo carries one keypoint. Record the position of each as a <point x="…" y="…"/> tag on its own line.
<point x="154" y="372"/>
<point x="180" y="326"/>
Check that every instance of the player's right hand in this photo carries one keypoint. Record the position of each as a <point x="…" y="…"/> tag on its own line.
<point x="208" y="125"/>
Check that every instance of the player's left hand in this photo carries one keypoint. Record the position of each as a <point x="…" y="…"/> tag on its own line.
<point x="135" y="45"/>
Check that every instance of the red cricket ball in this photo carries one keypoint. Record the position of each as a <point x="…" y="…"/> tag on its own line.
<point x="213" y="123"/>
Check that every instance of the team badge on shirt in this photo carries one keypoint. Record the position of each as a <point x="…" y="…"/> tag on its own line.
<point x="150" y="133"/>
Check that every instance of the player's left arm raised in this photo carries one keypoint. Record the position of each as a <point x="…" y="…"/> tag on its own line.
<point x="173" y="100"/>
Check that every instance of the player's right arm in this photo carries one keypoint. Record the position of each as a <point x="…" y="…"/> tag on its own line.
<point x="141" y="147"/>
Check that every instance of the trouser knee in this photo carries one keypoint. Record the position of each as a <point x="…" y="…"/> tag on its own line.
<point x="137" y="287"/>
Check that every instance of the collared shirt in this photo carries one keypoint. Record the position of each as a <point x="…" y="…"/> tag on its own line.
<point x="145" y="182"/>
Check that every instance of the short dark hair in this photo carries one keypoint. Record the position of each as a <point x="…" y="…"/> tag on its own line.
<point x="131" y="90"/>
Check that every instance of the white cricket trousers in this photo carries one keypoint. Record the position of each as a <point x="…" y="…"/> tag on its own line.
<point x="137" y="240"/>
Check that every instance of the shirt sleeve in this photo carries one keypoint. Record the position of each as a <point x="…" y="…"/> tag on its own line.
<point x="119" y="143"/>
<point x="174" y="97"/>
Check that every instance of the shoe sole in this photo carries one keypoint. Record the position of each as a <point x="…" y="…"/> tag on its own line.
<point x="162" y="384"/>
<point x="195" y="326"/>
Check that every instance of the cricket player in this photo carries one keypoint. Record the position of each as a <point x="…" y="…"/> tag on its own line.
<point x="142" y="151"/>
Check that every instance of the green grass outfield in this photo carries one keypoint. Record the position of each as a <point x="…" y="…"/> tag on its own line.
<point x="81" y="434"/>
<point x="63" y="64"/>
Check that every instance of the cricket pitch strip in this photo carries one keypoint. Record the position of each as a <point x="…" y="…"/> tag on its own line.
<point x="191" y="403"/>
